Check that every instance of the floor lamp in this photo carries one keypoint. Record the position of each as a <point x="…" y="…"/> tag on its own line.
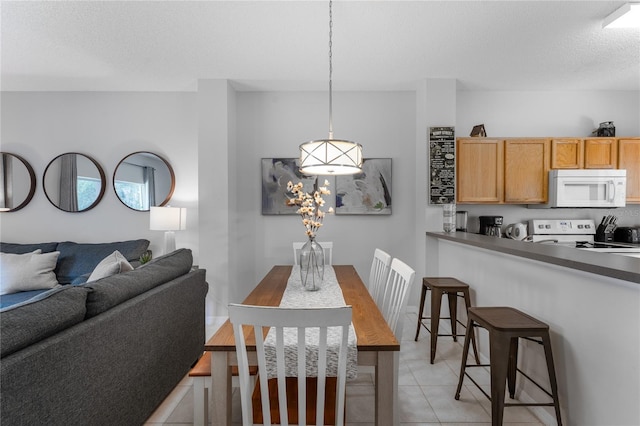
<point x="168" y="219"/>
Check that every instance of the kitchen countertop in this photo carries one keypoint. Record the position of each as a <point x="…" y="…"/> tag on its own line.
<point x="609" y="265"/>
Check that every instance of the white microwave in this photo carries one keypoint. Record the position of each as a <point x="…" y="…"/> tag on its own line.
<point x="604" y="188"/>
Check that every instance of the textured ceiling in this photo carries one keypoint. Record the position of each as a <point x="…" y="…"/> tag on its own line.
<point x="377" y="45"/>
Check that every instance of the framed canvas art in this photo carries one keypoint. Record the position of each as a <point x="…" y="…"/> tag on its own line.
<point x="276" y="173"/>
<point x="368" y="192"/>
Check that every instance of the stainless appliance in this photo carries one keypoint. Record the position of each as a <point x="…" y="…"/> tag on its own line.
<point x="491" y="225"/>
<point x="576" y="233"/>
<point x="586" y="188"/>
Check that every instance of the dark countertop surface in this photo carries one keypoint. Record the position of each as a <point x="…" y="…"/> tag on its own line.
<point x="607" y="264"/>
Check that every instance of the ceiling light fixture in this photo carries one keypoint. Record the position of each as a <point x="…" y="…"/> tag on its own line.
<point x="628" y="16"/>
<point x="330" y="156"/>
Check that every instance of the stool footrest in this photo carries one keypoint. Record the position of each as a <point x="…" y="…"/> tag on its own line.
<point x="534" y="382"/>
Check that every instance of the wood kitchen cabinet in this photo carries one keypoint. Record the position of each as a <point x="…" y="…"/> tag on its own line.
<point x="600" y="153"/>
<point x="526" y="170"/>
<point x="480" y="171"/>
<point x="567" y="153"/>
<point x="629" y="159"/>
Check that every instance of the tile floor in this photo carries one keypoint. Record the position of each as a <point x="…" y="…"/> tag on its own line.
<point x="426" y="391"/>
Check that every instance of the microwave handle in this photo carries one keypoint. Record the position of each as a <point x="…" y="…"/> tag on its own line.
<point x="612" y="191"/>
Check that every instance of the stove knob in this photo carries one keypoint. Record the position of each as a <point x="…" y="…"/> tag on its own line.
<point x="581" y="226"/>
<point x="548" y="226"/>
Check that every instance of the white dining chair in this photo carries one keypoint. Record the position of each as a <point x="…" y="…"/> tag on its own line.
<point x="254" y="401"/>
<point x="396" y="294"/>
<point x="378" y="275"/>
<point x="327" y="248"/>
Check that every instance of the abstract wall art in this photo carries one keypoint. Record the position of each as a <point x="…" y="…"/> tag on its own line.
<point x="368" y="192"/>
<point x="276" y="173"/>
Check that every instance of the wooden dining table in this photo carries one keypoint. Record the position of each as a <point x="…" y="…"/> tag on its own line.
<point x="377" y="345"/>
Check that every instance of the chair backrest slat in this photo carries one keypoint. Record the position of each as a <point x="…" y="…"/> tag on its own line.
<point x="395" y="295"/>
<point x="307" y="321"/>
<point x="378" y="275"/>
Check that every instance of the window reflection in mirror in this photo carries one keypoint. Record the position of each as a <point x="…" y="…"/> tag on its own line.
<point x="74" y="182"/>
<point x="143" y="180"/>
<point x="17" y="182"/>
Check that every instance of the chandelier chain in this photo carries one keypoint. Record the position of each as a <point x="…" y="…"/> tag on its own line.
<point x="330" y="70"/>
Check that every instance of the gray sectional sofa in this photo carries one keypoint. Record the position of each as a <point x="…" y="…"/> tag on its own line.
<point x="106" y="352"/>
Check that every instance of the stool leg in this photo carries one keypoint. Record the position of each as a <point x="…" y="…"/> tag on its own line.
<point x="467" y="302"/>
<point x="552" y="376"/>
<point x="499" y="352"/>
<point x="421" y="310"/>
<point x="453" y="314"/>
<point x="465" y="353"/>
<point x="512" y="366"/>
<point x="436" y="301"/>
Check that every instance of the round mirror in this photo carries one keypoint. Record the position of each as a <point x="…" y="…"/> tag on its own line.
<point x="17" y="182"/>
<point x="143" y="180"/>
<point x="74" y="182"/>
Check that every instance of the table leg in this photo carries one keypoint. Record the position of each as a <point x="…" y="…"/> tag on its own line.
<point x="386" y="384"/>
<point x="220" y="389"/>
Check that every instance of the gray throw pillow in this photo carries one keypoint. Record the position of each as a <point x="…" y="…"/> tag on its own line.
<point x="29" y="271"/>
<point x="113" y="264"/>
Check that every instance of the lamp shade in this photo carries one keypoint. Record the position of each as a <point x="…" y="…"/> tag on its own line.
<point x="330" y="157"/>
<point x="167" y="218"/>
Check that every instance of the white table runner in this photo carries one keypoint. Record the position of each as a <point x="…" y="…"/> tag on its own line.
<point x="295" y="296"/>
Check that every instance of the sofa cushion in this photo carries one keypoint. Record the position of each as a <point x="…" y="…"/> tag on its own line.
<point x="108" y="292"/>
<point x="40" y="317"/>
<point x="77" y="259"/>
<point x="27" y="248"/>
<point x="113" y="264"/>
<point x="29" y="271"/>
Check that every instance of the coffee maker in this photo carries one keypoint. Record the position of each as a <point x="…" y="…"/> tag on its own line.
<point x="491" y="225"/>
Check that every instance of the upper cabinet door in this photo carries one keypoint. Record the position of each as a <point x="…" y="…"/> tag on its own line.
<point x="629" y="159"/>
<point x="600" y="153"/>
<point x="480" y="172"/>
<point x="526" y="170"/>
<point x="567" y="153"/>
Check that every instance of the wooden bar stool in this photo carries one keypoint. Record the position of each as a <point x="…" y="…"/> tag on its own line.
<point x="453" y="288"/>
<point x="505" y="326"/>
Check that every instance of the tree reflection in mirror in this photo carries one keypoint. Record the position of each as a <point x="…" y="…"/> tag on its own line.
<point x="143" y="180"/>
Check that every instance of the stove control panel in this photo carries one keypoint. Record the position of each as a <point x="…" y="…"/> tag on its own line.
<point x="562" y="227"/>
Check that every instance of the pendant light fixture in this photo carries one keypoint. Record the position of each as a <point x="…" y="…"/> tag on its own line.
<point x="330" y="156"/>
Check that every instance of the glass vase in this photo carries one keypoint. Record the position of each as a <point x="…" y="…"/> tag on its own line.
<point x="311" y="265"/>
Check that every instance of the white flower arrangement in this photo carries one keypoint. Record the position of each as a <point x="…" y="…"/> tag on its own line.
<point x="312" y="215"/>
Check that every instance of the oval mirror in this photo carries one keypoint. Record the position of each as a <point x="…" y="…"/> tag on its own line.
<point x="143" y="180"/>
<point x="17" y="182"/>
<point x="74" y="182"/>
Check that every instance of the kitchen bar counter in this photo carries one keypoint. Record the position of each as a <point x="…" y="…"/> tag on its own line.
<point x="610" y="265"/>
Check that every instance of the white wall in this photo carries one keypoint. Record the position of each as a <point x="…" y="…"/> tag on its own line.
<point x="107" y="127"/>
<point x="526" y="113"/>
<point x="273" y="124"/>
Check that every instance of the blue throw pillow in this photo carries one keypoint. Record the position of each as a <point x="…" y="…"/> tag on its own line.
<point x="77" y="259"/>
<point x="27" y="248"/>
